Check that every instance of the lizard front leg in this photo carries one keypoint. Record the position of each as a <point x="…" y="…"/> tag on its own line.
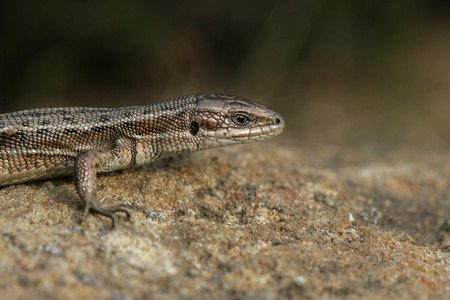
<point x="85" y="177"/>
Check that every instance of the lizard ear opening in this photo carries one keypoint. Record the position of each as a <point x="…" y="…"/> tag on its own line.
<point x="194" y="128"/>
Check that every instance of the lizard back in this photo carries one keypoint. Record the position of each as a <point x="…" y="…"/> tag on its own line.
<point x="43" y="143"/>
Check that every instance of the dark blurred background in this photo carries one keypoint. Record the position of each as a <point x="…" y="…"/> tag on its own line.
<point x="358" y="73"/>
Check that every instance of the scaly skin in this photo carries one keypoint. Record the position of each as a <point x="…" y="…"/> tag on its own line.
<point x="44" y="143"/>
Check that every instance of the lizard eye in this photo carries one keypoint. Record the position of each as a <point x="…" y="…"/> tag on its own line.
<point x="240" y="119"/>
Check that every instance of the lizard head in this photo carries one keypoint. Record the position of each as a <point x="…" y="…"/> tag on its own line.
<point x="222" y="120"/>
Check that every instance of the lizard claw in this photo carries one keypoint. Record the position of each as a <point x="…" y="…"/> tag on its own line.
<point x="106" y="210"/>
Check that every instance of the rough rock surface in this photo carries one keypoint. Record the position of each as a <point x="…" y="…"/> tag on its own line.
<point x="267" y="220"/>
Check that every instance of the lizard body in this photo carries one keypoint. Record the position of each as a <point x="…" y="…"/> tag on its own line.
<point x="44" y="143"/>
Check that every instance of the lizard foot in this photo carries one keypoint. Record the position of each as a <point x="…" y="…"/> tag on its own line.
<point x="106" y="210"/>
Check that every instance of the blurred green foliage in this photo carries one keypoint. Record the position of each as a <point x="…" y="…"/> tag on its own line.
<point x="58" y="46"/>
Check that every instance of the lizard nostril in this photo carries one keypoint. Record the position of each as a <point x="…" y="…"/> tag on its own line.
<point x="277" y="120"/>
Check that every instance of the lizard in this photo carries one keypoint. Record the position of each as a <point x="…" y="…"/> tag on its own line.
<point x="44" y="143"/>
